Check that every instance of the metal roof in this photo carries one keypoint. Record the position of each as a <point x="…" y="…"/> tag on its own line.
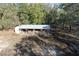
<point x="33" y="27"/>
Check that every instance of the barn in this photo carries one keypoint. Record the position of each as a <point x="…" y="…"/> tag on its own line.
<point x="20" y="28"/>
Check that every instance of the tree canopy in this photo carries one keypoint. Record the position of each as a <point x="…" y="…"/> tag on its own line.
<point x="15" y="14"/>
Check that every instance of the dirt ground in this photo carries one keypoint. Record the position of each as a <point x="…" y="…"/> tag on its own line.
<point x="42" y="44"/>
<point x="8" y="40"/>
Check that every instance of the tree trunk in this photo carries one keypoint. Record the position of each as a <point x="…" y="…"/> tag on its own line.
<point x="63" y="25"/>
<point x="70" y="28"/>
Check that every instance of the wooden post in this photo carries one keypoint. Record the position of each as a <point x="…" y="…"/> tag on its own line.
<point x="41" y="30"/>
<point x="33" y="31"/>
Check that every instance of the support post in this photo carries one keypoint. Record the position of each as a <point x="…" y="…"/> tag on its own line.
<point x="33" y="31"/>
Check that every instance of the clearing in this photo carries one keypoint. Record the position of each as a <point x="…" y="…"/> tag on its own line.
<point x="39" y="44"/>
<point x="8" y="40"/>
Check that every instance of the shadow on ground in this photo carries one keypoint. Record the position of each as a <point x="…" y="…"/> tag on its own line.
<point x="42" y="45"/>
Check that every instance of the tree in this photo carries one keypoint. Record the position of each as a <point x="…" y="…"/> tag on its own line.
<point x="9" y="18"/>
<point x="31" y="13"/>
<point x="72" y="15"/>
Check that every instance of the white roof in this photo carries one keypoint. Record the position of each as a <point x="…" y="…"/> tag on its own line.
<point x="33" y="27"/>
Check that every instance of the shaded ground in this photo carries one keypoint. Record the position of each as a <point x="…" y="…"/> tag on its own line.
<point x="41" y="44"/>
<point x="46" y="45"/>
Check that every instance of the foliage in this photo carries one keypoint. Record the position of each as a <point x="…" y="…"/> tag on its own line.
<point x="72" y="14"/>
<point x="33" y="13"/>
<point x="9" y="18"/>
<point x="63" y="15"/>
